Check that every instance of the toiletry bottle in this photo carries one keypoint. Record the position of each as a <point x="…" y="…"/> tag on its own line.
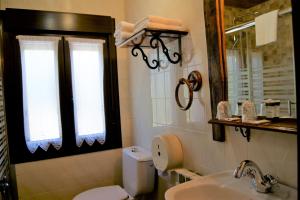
<point x="223" y="110"/>
<point x="248" y="111"/>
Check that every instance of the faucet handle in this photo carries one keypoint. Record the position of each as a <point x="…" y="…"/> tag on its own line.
<point x="271" y="179"/>
<point x="250" y="172"/>
<point x="273" y="182"/>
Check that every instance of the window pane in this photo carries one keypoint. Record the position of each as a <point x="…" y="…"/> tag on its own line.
<point x="40" y="90"/>
<point x="87" y="82"/>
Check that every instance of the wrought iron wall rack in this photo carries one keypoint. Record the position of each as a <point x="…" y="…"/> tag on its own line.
<point x="155" y="39"/>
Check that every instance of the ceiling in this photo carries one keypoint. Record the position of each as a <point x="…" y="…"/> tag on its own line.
<point x="243" y="3"/>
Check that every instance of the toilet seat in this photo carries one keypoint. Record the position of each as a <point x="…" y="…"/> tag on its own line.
<point x="114" y="192"/>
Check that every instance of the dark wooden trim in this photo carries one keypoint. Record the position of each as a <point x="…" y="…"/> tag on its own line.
<point x="13" y="81"/>
<point x="216" y="67"/>
<point x="113" y="85"/>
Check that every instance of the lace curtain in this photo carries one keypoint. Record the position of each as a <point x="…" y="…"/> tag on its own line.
<point x="41" y="108"/>
<point x="87" y="67"/>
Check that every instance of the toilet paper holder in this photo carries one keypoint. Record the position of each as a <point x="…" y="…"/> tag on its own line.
<point x="194" y="83"/>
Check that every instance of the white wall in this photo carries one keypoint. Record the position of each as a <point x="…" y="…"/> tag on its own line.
<point x="65" y="177"/>
<point x="275" y="153"/>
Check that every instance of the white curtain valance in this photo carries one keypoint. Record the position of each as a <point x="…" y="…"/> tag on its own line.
<point x="87" y="69"/>
<point x="44" y="144"/>
<point x="41" y="106"/>
<point x="90" y="139"/>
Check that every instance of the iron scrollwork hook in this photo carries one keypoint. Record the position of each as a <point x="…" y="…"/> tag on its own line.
<point x="245" y="133"/>
<point x="164" y="49"/>
<point x="145" y="58"/>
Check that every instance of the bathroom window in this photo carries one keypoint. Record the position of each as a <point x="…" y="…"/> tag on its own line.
<point x="61" y="84"/>
<point x="87" y="66"/>
<point x="41" y="108"/>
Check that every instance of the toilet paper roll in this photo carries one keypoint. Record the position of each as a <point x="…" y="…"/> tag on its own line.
<point x="166" y="152"/>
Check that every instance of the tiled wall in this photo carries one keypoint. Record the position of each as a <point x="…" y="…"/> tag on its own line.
<point x="274" y="152"/>
<point x="63" y="178"/>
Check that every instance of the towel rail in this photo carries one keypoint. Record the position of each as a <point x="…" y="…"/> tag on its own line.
<point x="252" y="23"/>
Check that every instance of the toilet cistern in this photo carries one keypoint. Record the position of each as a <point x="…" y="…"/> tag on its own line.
<point x="262" y="183"/>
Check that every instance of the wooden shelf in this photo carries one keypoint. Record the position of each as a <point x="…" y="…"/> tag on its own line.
<point x="280" y="125"/>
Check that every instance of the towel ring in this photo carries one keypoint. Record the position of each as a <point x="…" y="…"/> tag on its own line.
<point x="194" y="83"/>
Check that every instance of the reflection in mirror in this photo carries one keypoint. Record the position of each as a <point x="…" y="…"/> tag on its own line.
<point x="259" y="53"/>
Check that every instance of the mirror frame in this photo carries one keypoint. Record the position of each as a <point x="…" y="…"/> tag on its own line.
<point x="215" y="38"/>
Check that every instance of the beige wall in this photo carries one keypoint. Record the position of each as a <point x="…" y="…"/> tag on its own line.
<point x="65" y="177"/>
<point x="275" y="153"/>
<point x="114" y="8"/>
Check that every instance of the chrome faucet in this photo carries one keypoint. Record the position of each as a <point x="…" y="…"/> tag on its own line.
<point x="262" y="183"/>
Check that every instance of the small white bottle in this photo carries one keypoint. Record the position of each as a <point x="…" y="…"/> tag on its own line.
<point x="238" y="109"/>
<point x="248" y="111"/>
<point x="272" y="108"/>
<point x="223" y="110"/>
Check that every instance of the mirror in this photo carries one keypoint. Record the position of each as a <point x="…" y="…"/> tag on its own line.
<point x="217" y="58"/>
<point x="259" y="54"/>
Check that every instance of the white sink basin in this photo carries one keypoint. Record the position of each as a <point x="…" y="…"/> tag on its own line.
<point x="224" y="186"/>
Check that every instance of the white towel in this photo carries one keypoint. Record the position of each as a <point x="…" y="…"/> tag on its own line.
<point x="123" y="31"/>
<point x="124" y="26"/>
<point x="121" y="36"/>
<point x="266" y="28"/>
<point x="151" y="25"/>
<point x="161" y="20"/>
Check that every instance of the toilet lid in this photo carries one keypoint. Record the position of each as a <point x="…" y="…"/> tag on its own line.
<point x="114" y="192"/>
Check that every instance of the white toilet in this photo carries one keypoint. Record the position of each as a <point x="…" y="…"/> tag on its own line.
<point x="138" y="178"/>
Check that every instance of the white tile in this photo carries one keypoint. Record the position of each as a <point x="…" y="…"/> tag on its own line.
<point x="161" y="111"/>
<point x="261" y="150"/>
<point x="236" y="149"/>
<point x="197" y="112"/>
<point x="153" y="86"/>
<point x="160" y="85"/>
<point x="169" y="118"/>
<point x="286" y="162"/>
<point x="168" y="92"/>
<point x="216" y="155"/>
<point x="154" y="111"/>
